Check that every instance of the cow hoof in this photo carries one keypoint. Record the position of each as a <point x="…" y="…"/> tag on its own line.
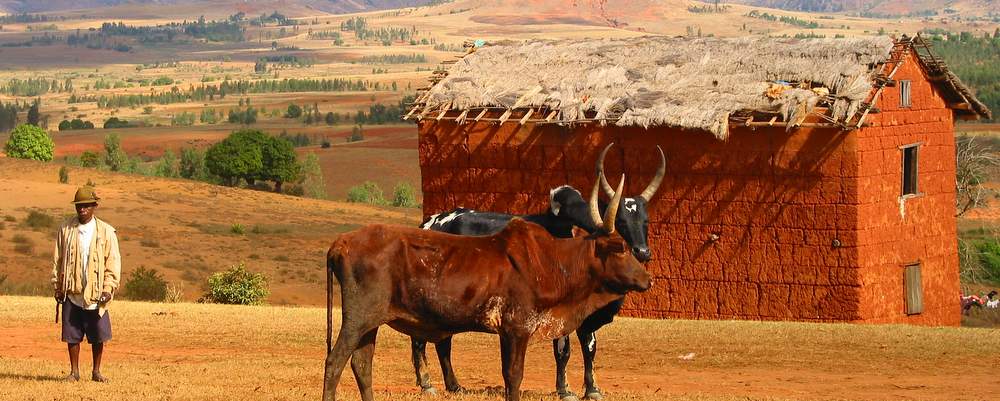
<point x="568" y="396"/>
<point x="456" y="389"/>
<point x="594" y="395"/>
<point x="429" y="390"/>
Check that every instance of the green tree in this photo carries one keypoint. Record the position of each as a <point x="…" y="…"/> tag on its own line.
<point x="237" y="156"/>
<point x="368" y="192"/>
<point x="293" y="111"/>
<point x="114" y="156"/>
<point x="33" y="113"/>
<point x="279" y="160"/>
<point x="311" y="177"/>
<point x="167" y="166"/>
<point x="29" y="142"/>
<point x="145" y="285"/>
<point x="193" y="164"/>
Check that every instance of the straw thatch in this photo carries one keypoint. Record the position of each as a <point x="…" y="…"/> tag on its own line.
<point x="650" y="81"/>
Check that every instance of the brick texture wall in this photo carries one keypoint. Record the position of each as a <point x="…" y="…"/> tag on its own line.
<point x="895" y="232"/>
<point x="779" y="201"/>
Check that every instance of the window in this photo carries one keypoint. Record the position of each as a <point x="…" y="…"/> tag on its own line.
<point x="913" y="290"/>
<point x="904" y="93"/>
<point x="910" y="169"/>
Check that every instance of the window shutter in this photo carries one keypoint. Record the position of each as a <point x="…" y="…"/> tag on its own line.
<point x="904" y="93"/>
<point x="914" y="290"/>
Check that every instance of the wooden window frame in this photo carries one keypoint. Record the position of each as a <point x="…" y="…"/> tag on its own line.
<point x="913" y="288"/>
<point x="909" y="184"/>
<point x="905" y="94"/>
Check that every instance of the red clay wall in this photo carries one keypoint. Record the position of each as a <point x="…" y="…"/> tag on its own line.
<point x="896" y="232"/>
<point x="778" y="200"/>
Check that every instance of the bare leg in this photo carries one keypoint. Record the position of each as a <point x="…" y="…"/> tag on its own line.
<point x="361" y="364"/>
<point x="512" y="349"/>
<point x="588" y="345"/>
<point x="443" y="349"/>
<point x="98" y="350"/>
<point x="418" y="350"/>
<point x="561" y="351"/>
<point x="74" y="361"/>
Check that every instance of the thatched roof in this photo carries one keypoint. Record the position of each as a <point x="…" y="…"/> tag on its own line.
<point x="682" y="82"/>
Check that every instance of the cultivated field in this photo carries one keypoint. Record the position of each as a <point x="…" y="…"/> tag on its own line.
<point x="215" y="352"/>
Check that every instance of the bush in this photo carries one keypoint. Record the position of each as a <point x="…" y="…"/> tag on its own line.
<point x="989" y="258"/>
<point x="90" y="159"/>
<point x="237" y="229"/>
<point x="39" y="221"/>
<point x="403" y="196"/>
<point x="114" y="122"/>
<point x="63" y="175"/>
<point x="237" y="286"/>
<point x="369" y="192"/>
<point x="29" y="142"/>
<point x="145" y="285"/>
<point x="293" y="111"/>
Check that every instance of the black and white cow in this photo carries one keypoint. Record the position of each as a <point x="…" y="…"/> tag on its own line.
<point x="567" y="208"/>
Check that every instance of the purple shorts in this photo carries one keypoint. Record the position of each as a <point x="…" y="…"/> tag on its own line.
<point x="77" y="322"/>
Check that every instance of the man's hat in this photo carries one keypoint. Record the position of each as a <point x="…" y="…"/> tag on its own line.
<point x="85" y="194"/>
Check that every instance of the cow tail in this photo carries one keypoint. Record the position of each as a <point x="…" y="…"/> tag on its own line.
<point x="329" y="304"/>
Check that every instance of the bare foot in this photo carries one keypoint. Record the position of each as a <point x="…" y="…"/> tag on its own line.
<point x="72" y="377"/>
<point x="97" y="377"/>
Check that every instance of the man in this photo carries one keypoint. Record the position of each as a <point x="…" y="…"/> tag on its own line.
<point x="86" y="267"/>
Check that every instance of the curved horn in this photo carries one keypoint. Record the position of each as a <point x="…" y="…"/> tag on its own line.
<point x="600" y="172"/>
<point x="650" y="190"/>
<point x="612" y="212"/>
<point x="595" y="213"/>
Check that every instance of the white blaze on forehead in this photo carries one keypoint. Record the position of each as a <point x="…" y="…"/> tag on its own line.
<point x="630" y="205"/>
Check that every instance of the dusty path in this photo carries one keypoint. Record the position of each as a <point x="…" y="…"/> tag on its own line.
<point x="198" y="352"/>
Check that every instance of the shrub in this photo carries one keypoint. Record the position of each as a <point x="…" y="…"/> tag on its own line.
<point x="149" y="243"/>
<point x="403" y="196"/>
<point x="29" y="142"/>
<point x="237" y="229"/>
<point x="39" y="221"/>
<point x="145" y="285"/>
<point x="114" y="122"/>
<point x="63" y="175"/>
<point x="237" y="286"/>
<point x="293" y="111"/>
<point x="989" y="258"/>
<point x="369" y="192"/>
<point x="90" y="159"/>
<point x="23" y="245"/>
<point x="174" y="293"/>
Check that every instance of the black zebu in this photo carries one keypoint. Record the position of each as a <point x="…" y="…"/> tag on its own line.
<point x="567" y="209"/>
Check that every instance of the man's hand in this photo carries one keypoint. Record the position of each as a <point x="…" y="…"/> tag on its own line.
<point x="105" y="297"/>
<point x="59" y="296"/>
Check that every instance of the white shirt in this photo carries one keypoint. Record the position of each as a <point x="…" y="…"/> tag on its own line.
<point x="86" y="237"/>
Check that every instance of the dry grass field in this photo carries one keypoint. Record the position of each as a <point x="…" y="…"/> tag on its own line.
<point x="215" y="352"/>
<point x="181" y="228"/>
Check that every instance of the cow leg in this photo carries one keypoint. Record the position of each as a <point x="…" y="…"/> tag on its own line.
<point x="336" y="359"/>
<point x="418" y="350"/>
<point x="512" y="349"/>
<point x="561" y="351"/>
<point x="443" y="349"/>
<point x="361" y="364"/>
<point x="588" y="345"/>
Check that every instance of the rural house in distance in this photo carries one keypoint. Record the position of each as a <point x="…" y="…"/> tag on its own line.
<point x="807" y="180"/>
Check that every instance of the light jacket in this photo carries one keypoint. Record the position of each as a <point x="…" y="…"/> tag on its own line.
<point x="103" y="269"/>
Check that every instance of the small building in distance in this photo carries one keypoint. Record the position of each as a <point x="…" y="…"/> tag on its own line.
<point x="809" y="180"/>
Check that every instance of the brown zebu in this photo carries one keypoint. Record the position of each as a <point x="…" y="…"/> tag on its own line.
<point x="519" y="283"/>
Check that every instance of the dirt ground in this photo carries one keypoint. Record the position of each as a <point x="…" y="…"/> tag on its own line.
<point x="216" y="352"/>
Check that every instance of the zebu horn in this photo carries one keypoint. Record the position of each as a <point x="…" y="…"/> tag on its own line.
<point x="600" y="172"/>
<point x="654" y="185"/>
<point x="612" y="212"/>
<point x="595" y="213"/>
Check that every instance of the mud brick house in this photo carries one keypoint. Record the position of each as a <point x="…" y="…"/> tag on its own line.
<point x="807" y="180"/>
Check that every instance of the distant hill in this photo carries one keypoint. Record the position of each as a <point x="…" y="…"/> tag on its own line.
<point x="882" y="8"/>
<point x="331" y="6"/>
